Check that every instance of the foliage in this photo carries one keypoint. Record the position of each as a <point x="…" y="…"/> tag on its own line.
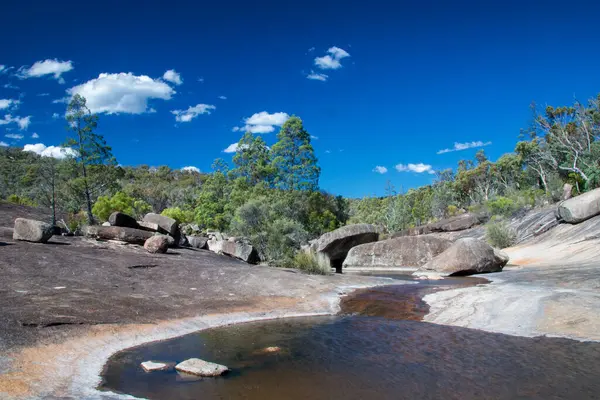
<point x="499" y="234"/>
<point x="308" y="262"/>
<point x="501" y="206"/>
<point x="24" y="201"/>
<point x="179" y="215"/>
<point x="120" y="201"/>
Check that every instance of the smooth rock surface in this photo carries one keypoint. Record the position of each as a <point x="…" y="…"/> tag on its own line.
<point x="196" y="366"/>
<point x="157" y="244"/>
<point x="129" y="235"/>
<point x="197" y="242"/>
<point x="407" y="251"/>
<point x="32" y="231"/>
<point x="334" y="246"/>
<point x="121" y="219"/>
<point x="467" y="256"/>
<point x="151" y="366"/>
<point x="169" y="225"/>
<point x="580" y="208"/>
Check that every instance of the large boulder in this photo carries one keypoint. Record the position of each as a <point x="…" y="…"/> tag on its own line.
<point x="149" y="226"/>
<point x="453" y="224"/>
<point x="197" y="242"/>
<point x="466" y="256"/>
<point x="129" y="235"/>
<point x="240" y="250"/>
<point x="157" y="244"/>
<point x="580" y="208"/>
<point x="333" y="246"/>
<point x="121" y="219"/>
<point x="215" y="245"/>
<point x="407" y="251"/>
<point x="31" y="230"/>
<point x="167" y="224"/>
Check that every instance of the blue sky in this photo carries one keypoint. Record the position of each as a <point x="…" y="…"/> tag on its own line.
<point x="404" y="79"/>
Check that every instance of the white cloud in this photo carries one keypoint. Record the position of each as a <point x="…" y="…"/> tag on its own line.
<point x="46" y="67"/>
<point x="191" y="169"/>
<point x="223" y="97"/>
<point x="15" y="136"/>
<point x="192" y="112"/>
<point x="35" y="136"/>
<point x="263" y="122"/>
<point x="317" y="77"/>
<point x="8" y="103"/>
<point x="10" y="86"/>
<point x="50" y="151"/>
<point x="201" y="80"/>
<point x="232" y="148"/>
<point x="122" y="93"/>
<point x="464" y="146"/>
<point x="56" y="115"/>
<point x="173" y="77"/>
<point x="3" y="144"/>
<point x="380" y="170"/>
<point x="43" y="94"/>
<point x="2" y="68"/>
<point x="314" y="137"/>
<point x="332" y="60"/>
<point x="418" y="168"/>
<point x="23" y="122"/>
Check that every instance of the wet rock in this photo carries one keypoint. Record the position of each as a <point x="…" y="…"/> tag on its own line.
<point x="198" y="242"/>
<point x="407" y="251"/>
<point x="148" y="226"/>
<point x="580" y="208"/>
<point x="31" y="230"/>
<point x="334" y="246"/>
<point x="157" y="244"/>
<point x="198" y="367"/>
<point x="240" y="250"/>
<point x="151" y="366"/>
<point x="129" y="235"/>
<point x="169" y="225"/>
<point x="466" y="256"/>
<point x="121" y="219"/>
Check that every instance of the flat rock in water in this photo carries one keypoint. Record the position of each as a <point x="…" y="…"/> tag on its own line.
<point x="31" y="230"/>
<point x="151" y="366"/>
<point x="196" y="366"/>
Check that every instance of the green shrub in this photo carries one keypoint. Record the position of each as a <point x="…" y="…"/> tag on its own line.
<point x="499" y="234"/>
<point x="24" y="201"/>
<point x="452" y="210"/>
<point x="105" y="206"/>
<point x="179" y="215"/>
<point x="308" y="262"/>
<point x="75" y="222"/>
<point x="501" y="206"/>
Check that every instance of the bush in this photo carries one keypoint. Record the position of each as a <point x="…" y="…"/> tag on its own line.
<point x="105" y="206"/>
<point x="309" y="263"/>
<point x="75" y="222"/>
<point x="502" y="206"/>
<point x="499" y="234"/>
<point x="24" y="201"/>
<point x="179" y="215"/>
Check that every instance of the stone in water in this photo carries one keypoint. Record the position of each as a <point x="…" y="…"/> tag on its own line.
<point x="196" y="366"/>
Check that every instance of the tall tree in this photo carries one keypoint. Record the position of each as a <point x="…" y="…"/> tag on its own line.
<point x="293" y="158"/>
<point x="91" y="149"/>
<point x="252" y="160"/>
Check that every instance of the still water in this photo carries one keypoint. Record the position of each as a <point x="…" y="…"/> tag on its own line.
<point x="364" y="356"/>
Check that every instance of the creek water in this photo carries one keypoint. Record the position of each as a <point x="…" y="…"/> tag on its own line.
<point x="376" y="348"/>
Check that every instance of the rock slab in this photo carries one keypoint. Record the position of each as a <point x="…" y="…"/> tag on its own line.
<point x="157" y="244"/>
<point x="151" y="366"/>
<point x="197" y="242"/>
<point x="129" y="235"/>
<point x="334" y="246"/>
<point x="31" y="230"/>
<point x="196" y="366"/>
<point x="406" y="251"/>
<point x="580" y="208"/>
<point x="121" y="219"/>
<point x="467" y="256"/>
<point x="169" y="225"/>
<point x="240" y="250"/>
<point x="453" y="224"/>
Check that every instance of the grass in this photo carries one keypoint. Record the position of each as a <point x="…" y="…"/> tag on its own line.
<point x="500" y="235"/>
<point x="308" y="262"/>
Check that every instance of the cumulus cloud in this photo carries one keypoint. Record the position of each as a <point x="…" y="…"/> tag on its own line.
<point x="173" y="77"/>
<point x="380" y="169"/>
<point x="15" y="136"/>
<point x="3" y="144"/>
<point x="232" y="148"/>
<point x="418" y="168"/>
<point x="317" y="77"/>
<point x="46" y="67"/>
<point x="332" y="59"/>
<point x="192" y="112"/>
<point x="223" y="97"/>
<point x="191" y="168"/>
<point x="22" y="122"/>
<point x="263" y="122"/>
<point x="35" y="135"/>
<point x="8" y="103"/>
<point x="50" y="151"/>
<point x="464" y="146"/>
<point x="122" y="93"/>
<point x="56" y="115"/>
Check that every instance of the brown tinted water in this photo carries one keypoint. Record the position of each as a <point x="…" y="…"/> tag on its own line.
<point x="363" y="357"/>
